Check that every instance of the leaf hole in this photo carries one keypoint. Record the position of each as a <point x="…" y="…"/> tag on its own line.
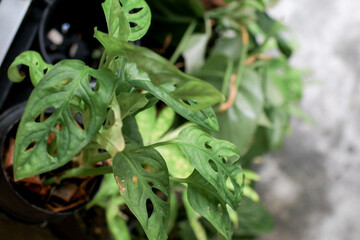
<point x="223" y="160"/>
<point x="94" y="84"/>
<point x="207" y="145"/>
<point x="213" y="165"/>
<point x="77" y="117"/>
<point x="45" y="114"/>
<point x="219" y="208"/>
<point x="51" y="144"/>
<point x="135" y="10"/>
<point x="30" y="146"/>
<point x="132" y="24"/>
<point x="149" y="208"/>
<point x="110" y="119"/>
<point x="203" y="114"/>
<point x="160" y="194"/>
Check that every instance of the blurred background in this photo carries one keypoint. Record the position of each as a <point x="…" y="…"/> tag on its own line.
<point x="312" y="185"/>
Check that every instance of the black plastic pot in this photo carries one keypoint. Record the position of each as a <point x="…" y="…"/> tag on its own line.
<point x="67" y="29"/>
<point x="12" y="202"/>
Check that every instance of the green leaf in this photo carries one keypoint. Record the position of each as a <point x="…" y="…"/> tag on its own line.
<point x="110" y="135"/>
<point x="184" y="93"/>
<point x="37" y="67"/>
<point x="253" y="219"/>
<point x="64" y="86"/>
<point x="194" y="218"/>
<point x="153" y="123"/>
<point x="116" y="220"/>
<point x="244" y="114"/>
<point x="131" y="102"/>
<point x="137" y="13"/>
<point x="209" y="156"/>
<point x="143" y="179"/>
<point x="204" y="199"/>
<point x="117" y="23"/>
<point x="178" y="164"/>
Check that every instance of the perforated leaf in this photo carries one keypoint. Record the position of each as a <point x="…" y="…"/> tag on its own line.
<point x="138" y="15"/>
<point x="204" y="199"/>
<point x="209" y="157"/>
<point x="143" y="181"/>
<point x="185" y="94"/>
<point x="117" y="23"/>
<point x="37" y="67"/>
<point x="66" y="91"/>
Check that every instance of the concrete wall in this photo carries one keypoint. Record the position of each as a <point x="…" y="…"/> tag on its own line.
<point x="312" y="186"/>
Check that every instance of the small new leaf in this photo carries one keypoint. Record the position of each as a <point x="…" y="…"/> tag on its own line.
<point x="37" y="67"/>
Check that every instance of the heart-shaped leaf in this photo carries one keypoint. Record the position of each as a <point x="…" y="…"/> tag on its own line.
<point x="204" y="199"/>
<point x="37" y="67"/>
<point x="143" y="180"/>
<point x="185" y="94"/>
<point x="66" y="85"/>
<point x="208" y="156"/>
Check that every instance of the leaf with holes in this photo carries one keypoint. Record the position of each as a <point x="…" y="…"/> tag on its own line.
<point x="117" y="23"/>
<point x="209" y="156"/>
<point x="110" y="135"/>
<point x="204" y="199"/>
<point x="185" y="94"/>
<point x="66" y="84"/>
<point x="138" y="15"/>
<point x="37" y="67"/>
<point x="143" y="180"/>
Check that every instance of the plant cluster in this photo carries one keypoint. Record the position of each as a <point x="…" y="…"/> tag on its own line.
<point x="168" y="128"/>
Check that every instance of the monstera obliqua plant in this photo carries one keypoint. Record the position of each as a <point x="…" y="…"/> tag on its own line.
<point x="90" y="114"/>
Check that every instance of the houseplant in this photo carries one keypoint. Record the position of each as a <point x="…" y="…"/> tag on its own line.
<point x="129" y="80"/>
<point x="240" y="49"/>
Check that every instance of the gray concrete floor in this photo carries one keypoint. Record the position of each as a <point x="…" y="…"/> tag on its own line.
<point x="312" y="185"/>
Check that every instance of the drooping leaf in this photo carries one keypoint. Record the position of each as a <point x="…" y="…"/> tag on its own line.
<point x="184" y="93"/>
<point x="116" y="220"/>
<point x="37" y="67"/>
<point x="194" y="218"/>
<point x="64" y="86"/>
<point x="164" y="121"/>
<point x="209" y="157"/>
<point x="204" y="199"/>
<point x="117" y="23"/>
<point x="110" y="135"/>
<point x="138" y="15"/>
<point x="143" y="179"/>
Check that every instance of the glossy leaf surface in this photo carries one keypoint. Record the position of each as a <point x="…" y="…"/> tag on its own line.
<point x="64" y="88"/>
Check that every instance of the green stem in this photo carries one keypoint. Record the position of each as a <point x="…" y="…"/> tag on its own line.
<point x="227" y="77"/>
<point x="184" y="40"/>
<point x="81" y="172"/>
<point x="241" y="65"/>
<point x="101" y="64"/>
<point x="177" y="180"/>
